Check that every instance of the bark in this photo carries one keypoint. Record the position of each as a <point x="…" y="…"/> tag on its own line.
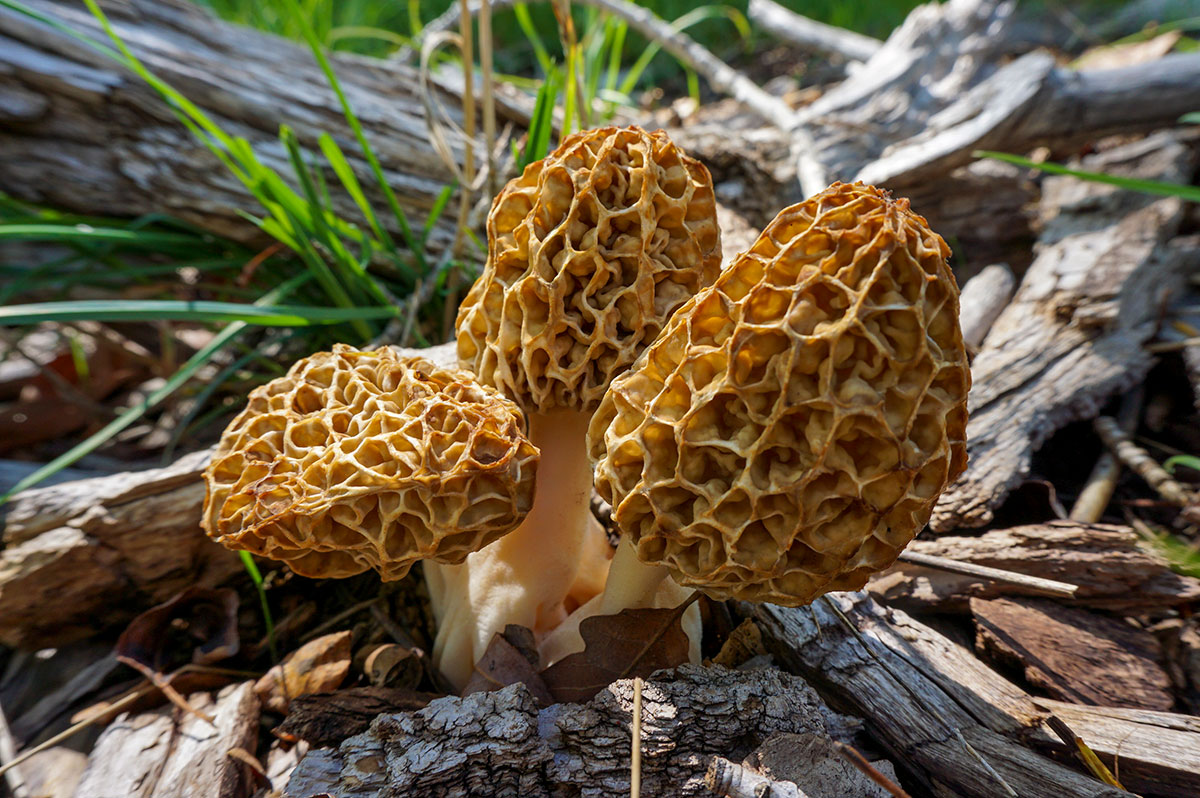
<point x="1073" y="334"/>
<point x="1072" y="654"/>
<point x="1107" y="563"/>
<point x="81" y="133"/>
<point x="166" y="754"/>
<point x="924" y="697"/>
<point x="87" y="555"/>
<point x="500" y="744"/>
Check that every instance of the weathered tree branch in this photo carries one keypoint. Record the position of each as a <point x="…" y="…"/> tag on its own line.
<point x="79" y="132"/>
<point x="810" y="34"/>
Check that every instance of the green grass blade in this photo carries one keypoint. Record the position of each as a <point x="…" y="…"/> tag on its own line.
<point x="1190" y="119"/>
<point x="521" y="12"/>
<point x="341" y="167"/>
<point x="252" y="569"/>
<point x="683" y="23"/>
<point x="364" y="145"/>
<point x="127" y="418"/>
<point x="1157" y="187"/>
<point x="1185" y="460"/>
<point x="60" y="233"/>
<point x="173" y="310"/>
<point x="435" y="213"/>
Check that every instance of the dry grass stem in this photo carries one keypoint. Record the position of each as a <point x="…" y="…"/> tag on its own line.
<point x="1136" y="459"/>
<point x="1048" y="587"/>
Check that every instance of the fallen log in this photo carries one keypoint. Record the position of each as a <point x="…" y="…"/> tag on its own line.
<point x="1073" y="334"/>
<point x="79" y="132"/>
<point x="958" y="727"/>
<point x="1108" y="563"/>
<point x="500" y="743"/>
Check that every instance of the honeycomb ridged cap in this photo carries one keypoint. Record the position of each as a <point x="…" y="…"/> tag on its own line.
<point x="790" y="430"/>
<point x="590" y="250"/>
<point x="358" y="460"/>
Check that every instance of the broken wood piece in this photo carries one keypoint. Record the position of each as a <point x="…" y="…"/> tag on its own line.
<point x="731" y="780"/>
<point x="1073" y="654"/>
<point x="810" y="34"/>
<point x="817" y="765"/>
<point x="983" y="298"/>
<point x="1137" y="460"/>
<point x="1033" y="584"/>
<point x="319" y="666"/>
<point x="1151" y="753"/>
<point x="325" y="719"/>
<point x="1109" y="565"/>
<point x="164" y="754"/>
<point x="500" y="743"/>
<point x="1073" y="334"/>
<point x="958" y="727"/>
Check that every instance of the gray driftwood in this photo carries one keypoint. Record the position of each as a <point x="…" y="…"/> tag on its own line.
<point x="1109" y="564"/>
<point x="1073" y="334"/>
<point x="927" y="703"/>
<point x="810" y="34"/>
<point x="500" y="744"/>
<point x="81" y="133"/>
<point x="169" y="754"/>
<point x="983" y="299"/>
<point x="85" y="555"/>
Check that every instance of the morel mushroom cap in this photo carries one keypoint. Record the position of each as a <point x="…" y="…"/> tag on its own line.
<point x="359" y="460"/>
<point x="790" y="430"/>
<point x="589" y="252"/>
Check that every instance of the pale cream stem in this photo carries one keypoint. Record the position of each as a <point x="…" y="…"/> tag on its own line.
<point x="524" y="577"/>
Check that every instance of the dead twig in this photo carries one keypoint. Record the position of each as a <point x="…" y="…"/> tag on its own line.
<point x="635" y="755"/>
<point x="1136" y="459"/>
<point x="1048" y="587"/>
<point x="1101" y="483"/>
<point x="810" y="34"/>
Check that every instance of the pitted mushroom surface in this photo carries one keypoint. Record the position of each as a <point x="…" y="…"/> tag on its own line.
<point x="790" y="430"/>
<point x="590" y="250"/>
<point x="358" y="460"/>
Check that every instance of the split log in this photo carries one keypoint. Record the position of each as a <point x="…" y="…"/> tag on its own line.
<point x="80" y="133"/>
<point x="983" y="299"/>
<point x="1072" y="654"/>
<point x="923" y="697"/>
<point x="1073" y="334"/>
<point x="88" y="555"/>
<point x="499" y="743"/>
<point x="167" y="754"/>
<point x="1108" y="563"/>
<point x="939" y="89"/>
<point x="1152" y="753"/>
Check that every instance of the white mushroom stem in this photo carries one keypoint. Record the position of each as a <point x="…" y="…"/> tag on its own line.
<point x="525" y="576"/>
<point x="632" y="584"/>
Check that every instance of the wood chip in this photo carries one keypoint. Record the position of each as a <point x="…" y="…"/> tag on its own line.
<point x="316" y="667"/>
<point x="1073" y="654"/>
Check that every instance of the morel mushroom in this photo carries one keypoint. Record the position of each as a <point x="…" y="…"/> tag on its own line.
<point x="358" y="460"/>
<point x="589" y="253"/>
<point x="789" y="432"/>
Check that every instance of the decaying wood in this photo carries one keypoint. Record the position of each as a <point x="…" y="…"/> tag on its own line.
<point x="329" y="718"/>
<point x="1073" y="334"/>
<point x="1152" y="753"/>
<point x="500" y="744"/>
<point x="1108" y="563"/>
<point x="810" y="34"/>
<point x="983" y="299"/>
<point x="166" y="754"/>
<point x="1073" y="654"/>
<point x="83" y="556"/>
<point x="1141" y="463"/>
<point x="939" y="699"/>
<point x="939" y="89"/>
<point x="81" y="133"/>
<point x="86" y="555"/>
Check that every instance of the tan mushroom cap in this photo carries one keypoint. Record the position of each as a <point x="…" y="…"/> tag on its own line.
<point x="790" y="431"/>
<point x="359" y="460"/>
<point x="589" y="252"/>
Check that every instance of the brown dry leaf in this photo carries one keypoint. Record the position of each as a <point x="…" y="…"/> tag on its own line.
<point x="505" y="663"/>
<point x="316" y="667"/>
<point x="631" y="643"/>
<point x="394" y="665"/>
<point x="197" y="626"/>
<point x="743" y="643"/>
<point x="325" y="719"/>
